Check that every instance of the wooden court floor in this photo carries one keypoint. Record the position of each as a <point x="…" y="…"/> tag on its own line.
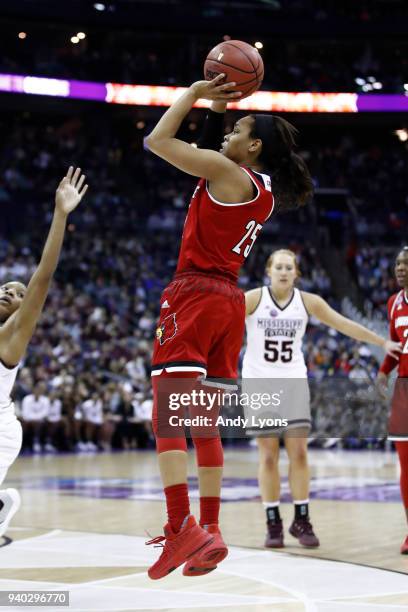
<point x="84" y="518"/>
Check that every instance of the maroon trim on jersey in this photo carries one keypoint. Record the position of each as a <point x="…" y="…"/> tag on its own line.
<point x="7" y="366"/>
<point x="304" y="305"/>
<point x="281" y="308"/>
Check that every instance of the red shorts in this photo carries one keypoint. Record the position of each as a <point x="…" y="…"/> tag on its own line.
<point x="201" y="327"/>
<point x="398" y="422"/>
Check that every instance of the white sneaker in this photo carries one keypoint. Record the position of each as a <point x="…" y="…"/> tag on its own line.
<point x="11" y="502"/>
<point x="91" y="447"/>
<point x="37" y="447"/>
<point x="331" y="443"/>
<point x="50" y="448"/>
<point x="81" y="447"/>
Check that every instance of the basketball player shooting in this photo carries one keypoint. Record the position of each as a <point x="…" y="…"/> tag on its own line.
<point x="20" y="310"/>
<point x="202" y="320"/>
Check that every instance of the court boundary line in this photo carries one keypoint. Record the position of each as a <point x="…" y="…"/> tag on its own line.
<point x="258" y="548"/>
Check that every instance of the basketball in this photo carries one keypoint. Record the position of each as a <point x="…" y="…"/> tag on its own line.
<point x="240" y="62"/>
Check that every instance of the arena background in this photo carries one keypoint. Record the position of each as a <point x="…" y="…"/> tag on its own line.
<point x="90" y="354"/>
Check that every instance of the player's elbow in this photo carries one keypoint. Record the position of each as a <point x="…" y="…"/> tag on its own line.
<point x="152" y="143"/>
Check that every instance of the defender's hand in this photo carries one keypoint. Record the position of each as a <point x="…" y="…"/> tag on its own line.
<point x="382" y="384"/>
<point x="215" y="89"/>
<point x="70" y="191"/>
<point x="392" y="348"/>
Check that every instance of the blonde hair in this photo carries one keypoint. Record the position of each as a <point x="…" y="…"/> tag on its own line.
<point x="288" y="252"/>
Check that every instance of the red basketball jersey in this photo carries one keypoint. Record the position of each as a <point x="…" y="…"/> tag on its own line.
<point x="398" y="318"/>
<point x="218" y="237"/>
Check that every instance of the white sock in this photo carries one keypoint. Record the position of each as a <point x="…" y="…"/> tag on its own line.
<point x="272" y="504"/>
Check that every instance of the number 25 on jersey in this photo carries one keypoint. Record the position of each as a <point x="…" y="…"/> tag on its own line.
<point x="253" y="228"/>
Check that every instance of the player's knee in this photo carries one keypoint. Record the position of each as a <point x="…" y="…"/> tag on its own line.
<point x="10" y="446"/>
<point x="269" y="459"/>
<point x="170" y="444"/>
<point x="298" y="456"/>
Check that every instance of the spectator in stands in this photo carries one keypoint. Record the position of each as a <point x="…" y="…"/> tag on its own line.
<point x="34" y="412"/>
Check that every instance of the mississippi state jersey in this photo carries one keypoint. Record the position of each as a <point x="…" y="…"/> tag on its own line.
<point x="7" y="379"/>
<point x="398" y="318"/>
<point x="274" y="338"/>
<point x="218" y="237"/>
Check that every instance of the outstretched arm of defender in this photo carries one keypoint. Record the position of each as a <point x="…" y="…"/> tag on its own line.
<point x="18" y="330"/>
<point x="319" y="308"/>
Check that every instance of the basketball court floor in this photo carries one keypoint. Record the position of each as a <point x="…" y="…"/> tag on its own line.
<point x="84" y="520"/>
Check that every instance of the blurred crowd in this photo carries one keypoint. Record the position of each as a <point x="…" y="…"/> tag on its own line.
<point x="374" y="270"/>
<point x="85" y="382"/>
<point x="302" y="63"/>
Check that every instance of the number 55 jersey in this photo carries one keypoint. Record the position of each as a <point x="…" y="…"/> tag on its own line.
<point x="274" y="338"/>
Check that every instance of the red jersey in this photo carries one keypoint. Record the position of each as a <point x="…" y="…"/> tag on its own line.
<point x="398" y="318"/>
<point x="218" y="237"/>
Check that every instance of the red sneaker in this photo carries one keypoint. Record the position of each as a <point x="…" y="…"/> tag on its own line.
<point x="178" y="547"/>
<point x="207" y="559"/>
<point x="404" y="547"/>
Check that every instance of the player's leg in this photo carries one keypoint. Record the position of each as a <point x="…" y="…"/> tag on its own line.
<point x="210" y="462"/>
<point x="402" y="450"/>
<point x="183" y="537"/>
<point x="269" y="485"/>
<point x="225" y="325"/>
<point x="299" y="481"/>
<point x="11" y="437"/>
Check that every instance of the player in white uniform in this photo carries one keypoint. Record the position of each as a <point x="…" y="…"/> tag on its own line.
<point x="276" y="322"/>
<point x="20" y="310"/>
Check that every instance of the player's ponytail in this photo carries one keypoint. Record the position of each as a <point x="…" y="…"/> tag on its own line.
<point x="292" y="184"/>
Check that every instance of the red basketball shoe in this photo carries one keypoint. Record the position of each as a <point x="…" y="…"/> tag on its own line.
<point x="404" y="547"/>
<point x="178" y="547"/>
<point x="207" y="559"/>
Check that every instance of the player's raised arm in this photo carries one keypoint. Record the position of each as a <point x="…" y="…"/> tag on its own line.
<point x="19" y="327"/>
<point x="320" y="309"/>
<point x="213" y="130"/>
<point x="197" y="162"/>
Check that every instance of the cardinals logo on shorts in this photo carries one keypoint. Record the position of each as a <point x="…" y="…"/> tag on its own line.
<point x="167" y="329"/>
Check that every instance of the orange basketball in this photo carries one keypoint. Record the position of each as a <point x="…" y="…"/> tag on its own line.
<point x="240" y="62"/>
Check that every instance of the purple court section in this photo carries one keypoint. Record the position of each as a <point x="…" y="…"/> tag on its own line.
<point x="382" y="103"/>
<point x="233" y="489"/>
<point x="86" y="90"/>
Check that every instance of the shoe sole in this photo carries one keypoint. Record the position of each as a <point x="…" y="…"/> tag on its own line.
<point x="279" y="545"/>
<point x="195" y="552"/>
<point x="302" y="544"/>
<point x="212" y="558"/>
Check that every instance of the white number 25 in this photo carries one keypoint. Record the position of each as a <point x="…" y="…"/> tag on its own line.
<point x="252" y="232"/>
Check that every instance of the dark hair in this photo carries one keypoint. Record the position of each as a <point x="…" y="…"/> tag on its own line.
<point x="292" y="184"/>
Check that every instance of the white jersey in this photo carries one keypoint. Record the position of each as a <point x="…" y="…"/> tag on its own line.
<point x="274" y="338"/>
<point x="7" y="380"/>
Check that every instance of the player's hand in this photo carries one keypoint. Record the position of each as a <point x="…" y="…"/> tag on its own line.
<point x="382" y="384"/>
<point x="392" y="348"/>
<point x="70" y="191"/>
<point x="215" y="89"/>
